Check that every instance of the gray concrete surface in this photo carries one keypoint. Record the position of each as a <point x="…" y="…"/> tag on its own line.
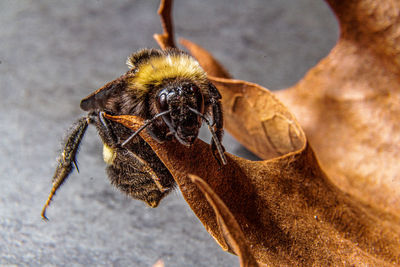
<point x="53" y="53"/>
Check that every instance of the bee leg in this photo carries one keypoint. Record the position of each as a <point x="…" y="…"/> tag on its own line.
<point x="219" y="131"/>
<point x="67" y="158"/>
<point x="105" y="131"/>
<point x="217" y="124"/>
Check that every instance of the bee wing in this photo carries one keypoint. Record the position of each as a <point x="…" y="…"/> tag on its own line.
<point x="100" y="99"/>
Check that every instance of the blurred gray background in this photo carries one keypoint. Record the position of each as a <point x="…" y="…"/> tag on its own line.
<point x="53" y="53"/>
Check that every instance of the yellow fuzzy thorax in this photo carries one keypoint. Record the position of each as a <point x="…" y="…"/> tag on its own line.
<point x="156" y="69"/>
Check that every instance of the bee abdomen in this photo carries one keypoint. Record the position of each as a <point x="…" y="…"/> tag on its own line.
<point x="136" y="184"/>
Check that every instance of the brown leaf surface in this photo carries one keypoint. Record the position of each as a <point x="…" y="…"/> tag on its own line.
<point x="349" y="104"/>
<point x="288" y="209"/>
<point x="229" y="227"/>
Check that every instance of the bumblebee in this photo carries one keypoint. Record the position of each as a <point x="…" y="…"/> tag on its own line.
<point x="171" y="91"/>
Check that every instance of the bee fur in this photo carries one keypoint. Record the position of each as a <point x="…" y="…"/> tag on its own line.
<point x="171" y="91"/>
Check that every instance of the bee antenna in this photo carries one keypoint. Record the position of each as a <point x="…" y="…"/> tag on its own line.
<point x="214" y="136"/>
<point x="147" y="123"/>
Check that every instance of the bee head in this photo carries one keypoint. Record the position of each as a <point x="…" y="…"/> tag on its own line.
<point x="178" y="99"/>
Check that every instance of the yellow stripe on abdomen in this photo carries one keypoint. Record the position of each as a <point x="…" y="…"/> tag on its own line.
<point x="108" y="154"/>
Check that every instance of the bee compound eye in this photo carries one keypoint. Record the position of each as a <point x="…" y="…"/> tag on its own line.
<point x="162" y="102"/>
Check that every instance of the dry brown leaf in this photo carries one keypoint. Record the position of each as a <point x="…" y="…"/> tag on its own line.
<point x="229" y="227"/>
<point x="348" y="105"/>
<point x="287" y="208"/>
<point x="166" y="39"/>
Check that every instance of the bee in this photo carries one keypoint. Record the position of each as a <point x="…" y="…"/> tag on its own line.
<point x="171" y="92"/>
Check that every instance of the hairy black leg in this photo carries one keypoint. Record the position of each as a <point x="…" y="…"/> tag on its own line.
<point x="104" y="129"/>
<point x="218" y="122"/>
<point x="67" y="158"/>
<point x="218" y="128"/>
